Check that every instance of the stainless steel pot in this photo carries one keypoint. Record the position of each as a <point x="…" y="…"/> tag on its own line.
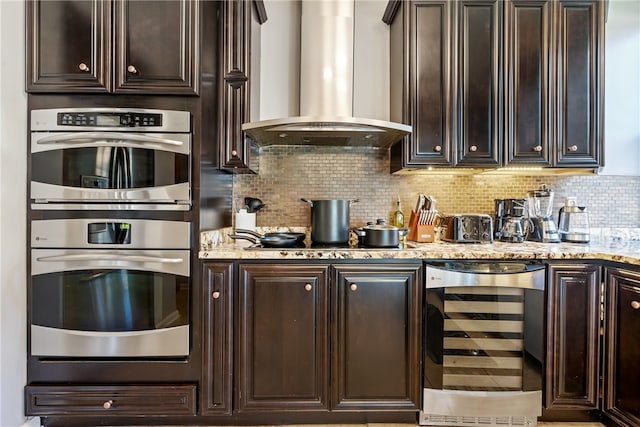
<point x="380" y="235"/>
<point x="329" y="220"/>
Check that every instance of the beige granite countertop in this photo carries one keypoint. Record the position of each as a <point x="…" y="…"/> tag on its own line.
<point x="607" y="250"/>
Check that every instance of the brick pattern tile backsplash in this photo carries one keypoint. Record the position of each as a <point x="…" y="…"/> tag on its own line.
<point x="290" y="173"/>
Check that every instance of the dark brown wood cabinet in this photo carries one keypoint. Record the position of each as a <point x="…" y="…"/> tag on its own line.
<point x="376" y="337"/>
<point x="622" y="347"/>
<point x="107" y="401"/>
<point x="292" y="317"/>
<point x="528" y="61"/>
<point x="573" y="337"/>
<point x="102" y="46"/>
<point x="283" y="347"/>
<point x="497" y="83"/>
<point x="217" y="374"/>
<point x="240" y="44"/>
<point x="579" y="82"/>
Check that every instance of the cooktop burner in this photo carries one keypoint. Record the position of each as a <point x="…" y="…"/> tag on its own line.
<point x="316" y="246"/>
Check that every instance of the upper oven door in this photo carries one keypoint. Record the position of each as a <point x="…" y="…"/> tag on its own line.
<point x="110" y="159"/>
<point x="110" y="167"/>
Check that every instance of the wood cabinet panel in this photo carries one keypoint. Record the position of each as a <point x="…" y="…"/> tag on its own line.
<point x="217" y="374"/>
<point x="579" y="86"/>
<point x="157" y="46"/>
<point x="117" y="400"/>
<point x="68" y="46"/>
<point x="478" y="83"/>
<point x="573" y="345"/>
<point x="283" y="348"/>
<point x="376" y="337"/>
<point x="622" y="352"/>
<point x="528" y="61"/>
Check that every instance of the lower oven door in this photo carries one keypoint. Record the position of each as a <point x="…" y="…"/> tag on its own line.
<point x="483" y="356"/>
<point x="109" y="303"/>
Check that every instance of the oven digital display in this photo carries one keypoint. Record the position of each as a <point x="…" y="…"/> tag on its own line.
<point x="107" y="120"/>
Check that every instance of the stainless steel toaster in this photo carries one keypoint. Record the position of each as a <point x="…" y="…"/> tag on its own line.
<point x="466" y="228"/>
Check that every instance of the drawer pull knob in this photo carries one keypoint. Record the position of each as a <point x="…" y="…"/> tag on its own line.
<point x="635" y="305"/>
<point x="215" y="295"/>
<point x="132" y="69"/>
<point x="573" y="148"/>
<point x="437" y="148"/>
<point x="83" y="67"/>
<point x="308" y="287"/>
<point x="354" y="287"/>
<point x="107" y="404"/>
<point x="537" y="148"/>
<point x="473" y="148"/>
<point x="234" y="153"/>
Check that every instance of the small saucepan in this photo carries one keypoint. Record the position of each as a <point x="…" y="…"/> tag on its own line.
<point x="380" y="235"/>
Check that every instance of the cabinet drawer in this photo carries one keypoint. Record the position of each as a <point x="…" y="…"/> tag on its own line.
<point x="111" y="400"/>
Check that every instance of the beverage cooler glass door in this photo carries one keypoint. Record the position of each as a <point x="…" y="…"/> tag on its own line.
<point x="484" y="352"/>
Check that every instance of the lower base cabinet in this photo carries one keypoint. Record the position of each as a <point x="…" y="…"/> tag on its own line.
<point x="306" y="329"/>
<point x="622" y="348"/>
<point x="573" y="337"/>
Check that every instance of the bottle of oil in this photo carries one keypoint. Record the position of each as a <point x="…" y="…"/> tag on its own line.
<point x="398" y="216"/>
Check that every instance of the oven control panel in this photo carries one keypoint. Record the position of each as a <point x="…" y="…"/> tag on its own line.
<point x="108" y="119"/>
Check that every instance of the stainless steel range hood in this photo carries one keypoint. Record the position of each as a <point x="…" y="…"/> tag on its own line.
<point x="326" y="88"/>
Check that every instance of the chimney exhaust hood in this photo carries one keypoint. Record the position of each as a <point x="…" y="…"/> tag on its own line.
<point x="326" y="88"/>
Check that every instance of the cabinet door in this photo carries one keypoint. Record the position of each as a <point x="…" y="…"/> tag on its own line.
<point x="68" y="46"/>
<point x="156" y="46"/>
<point x="579" y="82"/>
<point x="282" y="326"/>
<point x="218" y="338"/>
<point x="622" y="352"/>
<point x="240" y="88"/>
<point x="527" y="56"/>
<point x="421" y="82"/>
<point x="573" y="337"/>
<point x="376" y="339"/>
<point x="478" y="127"/>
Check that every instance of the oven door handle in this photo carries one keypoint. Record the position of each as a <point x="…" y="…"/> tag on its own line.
<point x="109" y="257"/>
<point x="115" y="137"/>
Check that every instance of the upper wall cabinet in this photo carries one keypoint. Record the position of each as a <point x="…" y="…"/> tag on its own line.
<point x="102" y="46"/>
<point x="488" y="83"/>
<point x="240" y="81"/>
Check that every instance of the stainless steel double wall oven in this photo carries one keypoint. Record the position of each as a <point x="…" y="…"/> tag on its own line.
<point x="110" y="255"/>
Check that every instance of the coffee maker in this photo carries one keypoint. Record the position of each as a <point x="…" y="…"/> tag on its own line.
<point x="510" y="221"/>
<point x="540" y="207"/>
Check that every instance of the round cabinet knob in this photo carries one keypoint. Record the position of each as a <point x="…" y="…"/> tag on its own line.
<point x="107" y="404"/>
<point x="537" y="148"/>
<point x="132" y="69"/>
<point x="215" y="295"/>
<point x="573" y="148"/>
<point x="437" y="148"/>
<point x="83" y="67"/>
<point x="473" y="148"/>
<point x="354" y="287"/>
<point x="308" y="287"/>
<point x="234" y="153"/>
<point x="635" y="305"/>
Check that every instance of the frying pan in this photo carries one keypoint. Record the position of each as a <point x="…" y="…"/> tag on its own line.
<point x="269" y="241"/>
<point x="299" y="237"/>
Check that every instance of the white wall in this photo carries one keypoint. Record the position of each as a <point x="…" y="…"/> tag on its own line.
<point x="13" y="166"/>
<point x="622" y="89"/>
